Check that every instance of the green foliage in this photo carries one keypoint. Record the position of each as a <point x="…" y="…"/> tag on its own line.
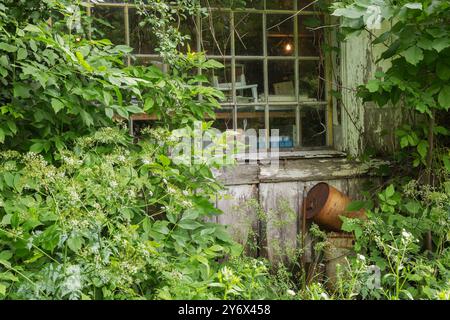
<point x="417" y="48"/>
<point x="58" y="84"/>
<point x="111" y="221"/>
<point x="391" y="240"/>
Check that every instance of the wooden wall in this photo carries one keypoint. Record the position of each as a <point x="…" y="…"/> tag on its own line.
<point x="262" y="205"/>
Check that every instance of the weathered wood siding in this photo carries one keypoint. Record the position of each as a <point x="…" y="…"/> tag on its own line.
<point x="363" y="124"/>
<point x="262" y="206"/>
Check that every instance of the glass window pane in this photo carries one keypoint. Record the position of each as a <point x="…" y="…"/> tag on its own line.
<point x="221" y="79"/>
<point x="146" y="62"/>
<point x="249" y="39"/>
<point x="282" y="81"/>
<point x="311" y="80"/>
<point x="189" y="28"/>
<point x="280" y="35"/>
<point x="224" y="119"/>
<point x="280" y="4"/>
<point x="303" y="3"/>
<point x="283" y="119"/>
<point x="109" y="23"/>
<point x="314" y="128"/>
<point x="310" y="38"/>
<point x="142" y="39"/>
<point x="250" y="120"/>
<point x="249" y="81"/>
<point x="255" y="4"/>
<point x="216" y="33"/>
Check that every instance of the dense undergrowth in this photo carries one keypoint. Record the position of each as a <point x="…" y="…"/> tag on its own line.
<point x="87" y="213"/>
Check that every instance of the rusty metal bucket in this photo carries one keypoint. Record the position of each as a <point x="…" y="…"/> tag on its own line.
<point x="325" y="204"/>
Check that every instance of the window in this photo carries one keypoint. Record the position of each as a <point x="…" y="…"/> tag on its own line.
<point x="275" y="67"/>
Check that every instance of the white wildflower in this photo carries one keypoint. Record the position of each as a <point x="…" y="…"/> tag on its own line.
<point x="290" y="292"/>
<point x="113" y="184"/>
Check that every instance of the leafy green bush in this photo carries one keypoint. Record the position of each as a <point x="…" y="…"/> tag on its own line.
<point x="392" y="240"/>
<point x="58" y="84"/>
<point x="112" y="220"/>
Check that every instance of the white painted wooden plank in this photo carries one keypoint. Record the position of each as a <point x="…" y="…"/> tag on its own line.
<point x="279" y="202"/>
<point x="239" y="204"/>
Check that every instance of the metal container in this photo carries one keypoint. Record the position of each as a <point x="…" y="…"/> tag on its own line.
<point x="325" y="204"/>
<point x="339" y="247"/>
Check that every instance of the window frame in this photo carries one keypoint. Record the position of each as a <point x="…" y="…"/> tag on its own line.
<point x="234" y="105"/>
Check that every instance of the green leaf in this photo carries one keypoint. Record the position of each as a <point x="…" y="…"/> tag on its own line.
<point x="213" y="64"/>
<point x="87" y="118"/>
<point x="9" y="179"/>
<point x="37" y="147"/>
<point x="189" y="224"/>
<point x="412" y="207"/>
<point x="373" y="85"/>
<point x="355" y="205"/>
<point x="413" y="55"/>
<point x="390" y="191"/>
<point x="149" y="103"/>
<point x="7" y="47"/>
<point x="2" y="136"/>
<point x="422" y="148"/>
<point x="446" y="160"/>
<point x="32" y="28"/>
<point x="2" y="289"/>
<point x="75" y="243"/>
<point x="440" y="44"/>
<point x="6" y="255"/>
<point x="164" y="160"/>
<point x="57" y="105"/>
<point x="83" y="62"/>
<point x="12" y="126"/>
<point x="444" y="97"/>
<point x="404" y="142"/>
<point x="134" y="109"/>
<point x="443" y="70"/>
<point x="22" y="54"/>
<point x="109" y="112"/>
<point x="414" y="5"/>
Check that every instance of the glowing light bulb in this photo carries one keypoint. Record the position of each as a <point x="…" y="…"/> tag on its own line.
<point x="288" y="47"/>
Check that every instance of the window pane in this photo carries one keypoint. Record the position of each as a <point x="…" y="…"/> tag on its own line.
<point x="249" y="81"/>
<point x="303" y="3"/>
<point x="249" y="39"/>
<point x="189" y="28"/>
<point x="282" y="81"/>
<point x="310" y="38"/>
<point x="311" y="83"/>
<point x="314" y="128"/>
<point x="146" y="62"/>
<point x="256" y="4"/>
<point x="280" y="4"/>
<point x="221" y="79"/>
<point x="109" y="23"/>
<point x="224" y="119"/>
<point x="216" y="33"/>
<point x="283" y="119"/>
<point x="280" y="35"/>
<point x="142" y="39"/>
<point x="249" y="121"/>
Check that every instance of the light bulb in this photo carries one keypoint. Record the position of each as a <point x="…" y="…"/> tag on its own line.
<point x="288" y="47"/>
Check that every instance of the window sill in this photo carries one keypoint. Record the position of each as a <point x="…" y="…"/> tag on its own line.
<point x="310" y="153"/>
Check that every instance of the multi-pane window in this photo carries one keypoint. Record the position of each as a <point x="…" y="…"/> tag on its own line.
<point x="274" y="75"/>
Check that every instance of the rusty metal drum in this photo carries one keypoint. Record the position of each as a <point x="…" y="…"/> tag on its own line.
<point x="325" y="205"/>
